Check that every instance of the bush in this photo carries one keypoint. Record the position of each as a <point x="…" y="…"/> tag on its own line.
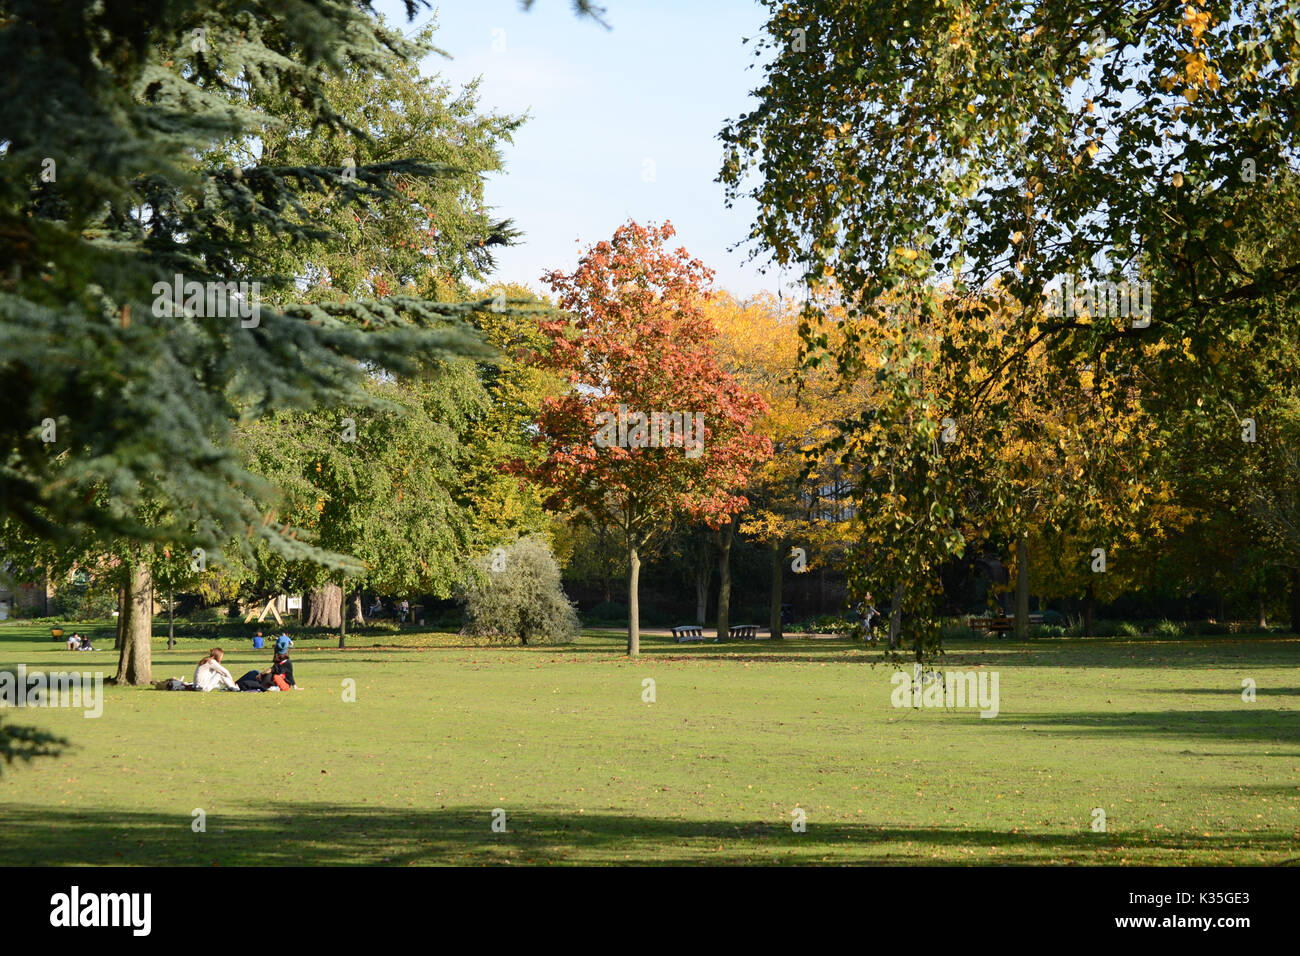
<point x="1129" y="629"/>
<point x="829" y="624"/>
<point x="87" y="602"/>
<point x="1047" y="630"/>
<point x="957" y="630"/>
<point x="1168" y="629"/>
<point x="524" y="600"/>
<point x="211" y="615"/>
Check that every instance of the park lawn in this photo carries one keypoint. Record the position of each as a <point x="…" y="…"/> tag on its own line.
<point x="1156" y="733"/>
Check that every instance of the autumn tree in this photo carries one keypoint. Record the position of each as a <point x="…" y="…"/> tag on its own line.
<point x="798" y="497"/>
<point x="898" y="148"/>
<point x="651" y="426"/>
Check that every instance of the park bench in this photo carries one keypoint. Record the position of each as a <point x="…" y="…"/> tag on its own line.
<point x="746" y="632"/>
<point x="688" y="632"/>
<point x="1002" y="626"/>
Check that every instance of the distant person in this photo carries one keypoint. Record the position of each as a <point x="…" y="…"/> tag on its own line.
<point x="74" y="641"/>
<point x="403" y="609"/>
<point x="377" y="608"/>
<point x="85" y="643"/>
<point x="210" y="675"/>
<point x="869" y="615"/>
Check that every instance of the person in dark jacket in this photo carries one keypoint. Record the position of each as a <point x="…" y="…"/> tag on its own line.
<point x="281" y="666"/>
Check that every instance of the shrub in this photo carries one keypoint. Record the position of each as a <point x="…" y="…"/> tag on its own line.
<point x="525" y="600"/>
<point x="1129" y="629"/>
<point x="950" y="630"/>
<point x="1168" y="629"/>
<point x="1047" y="630"/>
<point x="832" y="624"/>
<point x="211" y="615"/>
<point x="85" y="602"/>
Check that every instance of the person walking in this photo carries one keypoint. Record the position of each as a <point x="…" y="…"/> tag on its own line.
<point x="869" y="615"/>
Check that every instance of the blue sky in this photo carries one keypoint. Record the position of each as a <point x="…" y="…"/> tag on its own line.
<point x="609" y="109"/>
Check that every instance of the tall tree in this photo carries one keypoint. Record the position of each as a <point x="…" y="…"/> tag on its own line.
<point x="651" y="427"/>
<point x="799" y="498"/>
<point x="103" y="211"/>
<point x="1018" y="147"/>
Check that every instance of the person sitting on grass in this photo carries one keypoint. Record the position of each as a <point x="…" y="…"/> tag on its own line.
<point x="210" y="675"/>
<point x="74" y="641"/>
<point x="85" y="643"/>
<point x="279" y="675"/>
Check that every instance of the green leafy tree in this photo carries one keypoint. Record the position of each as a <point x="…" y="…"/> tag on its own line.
<point x="110" y="388"/>
<point x="376" y="484"/>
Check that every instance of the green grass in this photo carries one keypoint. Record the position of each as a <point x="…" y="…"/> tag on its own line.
<point x="1154" y="732"/>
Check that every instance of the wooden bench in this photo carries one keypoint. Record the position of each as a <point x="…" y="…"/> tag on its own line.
<point x="1002" y="626"/>
<point x="746" y="632"/>
<point x="689" y="632"/>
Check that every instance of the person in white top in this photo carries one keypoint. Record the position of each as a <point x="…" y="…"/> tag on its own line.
<point x="210" y="675"/>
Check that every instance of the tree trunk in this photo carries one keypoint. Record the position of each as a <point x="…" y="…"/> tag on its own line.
<point x="1022" y="589"/>
<point x="343" y="618"/>
<point x="171" y="622"/>
<point x="356" y="611"/>
<point x="778" y="571"/>
<point x="633" y="602"/>
<point x="703" y="573"/>
<point x="325" y="606"/>
<point x="1088" y="599"/>
<point x="121" y="618"/>
<point x="134" y="665"/>
<point x="724" y="539"/>
<point x="606" y="561"/>
<point x="1261" y="613"/>
<point x="896" y="616"/>
<point x="1295" y="601"/>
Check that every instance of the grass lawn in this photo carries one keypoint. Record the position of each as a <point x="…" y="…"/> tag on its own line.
<point x="1154" y="732"/>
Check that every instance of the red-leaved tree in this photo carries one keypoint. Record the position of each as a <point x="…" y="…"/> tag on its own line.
<point x="652" y="427"/>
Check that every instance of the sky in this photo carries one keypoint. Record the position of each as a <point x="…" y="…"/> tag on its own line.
<point x="623" y="122"/>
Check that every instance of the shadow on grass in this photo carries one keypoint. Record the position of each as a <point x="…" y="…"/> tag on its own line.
<point x="1231" y="691"/>
<point x="1229" y="726"/>
<point x="333" y="834"/>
